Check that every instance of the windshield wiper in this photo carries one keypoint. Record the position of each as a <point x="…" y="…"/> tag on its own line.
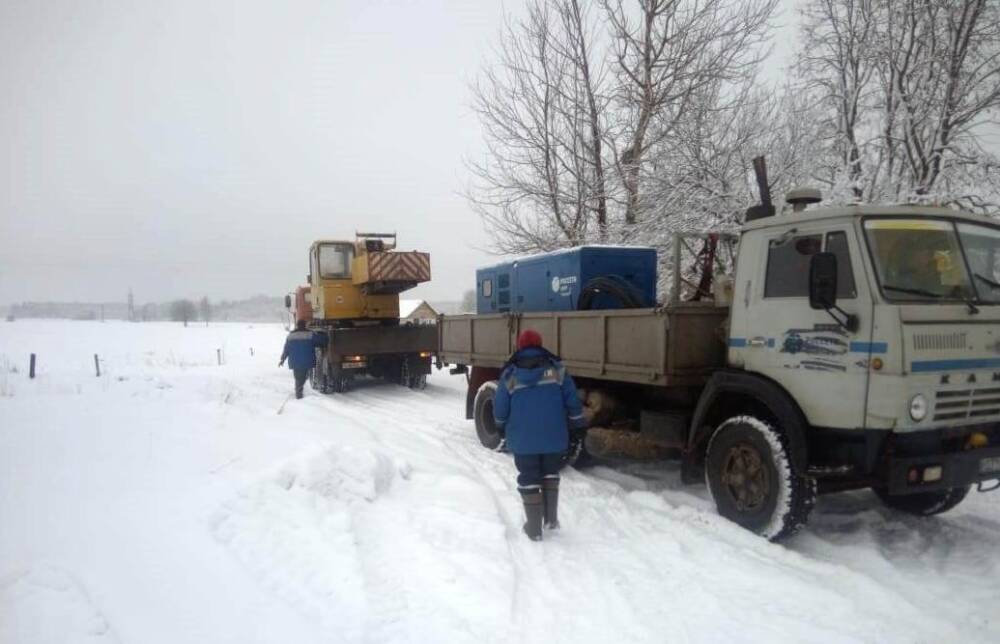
<point x="919" y="291"/>
<point x="912" y="291"/>
<point x="988" y="281"/>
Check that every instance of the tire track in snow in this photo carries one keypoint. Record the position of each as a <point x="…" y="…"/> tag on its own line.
<point x="391" y="542"/>
<point x="622" y="545"/>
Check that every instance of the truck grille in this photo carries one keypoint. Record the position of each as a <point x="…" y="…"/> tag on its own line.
<point x="939" y="341"/>
<point x="960" y="404"/>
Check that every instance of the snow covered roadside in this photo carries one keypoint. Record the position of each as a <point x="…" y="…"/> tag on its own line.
<point x="175" y="500"/>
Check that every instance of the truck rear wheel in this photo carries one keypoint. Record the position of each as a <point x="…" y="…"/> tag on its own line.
<point x="318" y="379"/>
<point x="752" y="480"/>
<point x="408" y="378"/>
<point x="924" y="504"/>
<point x="482" y="414"/>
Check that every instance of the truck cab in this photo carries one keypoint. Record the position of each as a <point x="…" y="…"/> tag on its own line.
<point x="335" y="296"/>
<point x="892" y="376"/>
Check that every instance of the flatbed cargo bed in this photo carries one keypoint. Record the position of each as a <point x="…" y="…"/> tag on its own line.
<point x="680" y="344"/>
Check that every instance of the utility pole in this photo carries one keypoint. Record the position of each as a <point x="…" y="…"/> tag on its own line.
<point x="131" y="306"/>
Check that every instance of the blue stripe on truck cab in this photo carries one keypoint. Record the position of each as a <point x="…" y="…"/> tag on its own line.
<point x="869" y="347"/>
<point x="918" y="366"/>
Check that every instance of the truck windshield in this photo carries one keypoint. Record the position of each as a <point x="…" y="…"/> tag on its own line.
<point x="919" y="259"/>
<point x="335" y="260"/>
<point x="982" y="249"/>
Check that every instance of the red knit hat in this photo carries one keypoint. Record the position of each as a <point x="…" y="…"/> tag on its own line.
<point x="529" y="338"/>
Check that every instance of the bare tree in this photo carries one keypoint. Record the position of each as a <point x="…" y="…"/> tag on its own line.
<point x="541" y="184"/>
<point x="468" y="301"/>
<point x="701" y="178"/>
<point x="182" y="311"/>
<point x="838" y="40"/>
<point x="665" y="56"/>
<point x="205" y="308"/>
<point x="906" y="83"/>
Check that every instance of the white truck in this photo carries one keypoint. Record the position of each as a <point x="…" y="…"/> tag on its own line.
<point x="859" y="348"/>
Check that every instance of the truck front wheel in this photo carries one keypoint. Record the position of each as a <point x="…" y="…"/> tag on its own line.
<point x="752" y="479"/>
<point x="924" y="504"/>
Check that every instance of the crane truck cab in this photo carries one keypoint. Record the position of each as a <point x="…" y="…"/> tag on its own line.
<point x="863" y="351"/>
<point x="353" y="288"/>
<point x="335" y="296"/>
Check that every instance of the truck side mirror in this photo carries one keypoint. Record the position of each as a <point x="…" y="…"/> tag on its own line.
<point x="823" y="281"/>
<point x="288" y="301"/>
<point x="823" y="290"/>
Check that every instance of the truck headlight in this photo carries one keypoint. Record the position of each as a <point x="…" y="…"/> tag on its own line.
<point x="918" y="407"/>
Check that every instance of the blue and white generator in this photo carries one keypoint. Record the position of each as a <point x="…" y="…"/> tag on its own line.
<point x="585" y="277"/>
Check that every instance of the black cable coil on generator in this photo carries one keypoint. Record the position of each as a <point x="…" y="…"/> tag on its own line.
<point x="614" y="287"/>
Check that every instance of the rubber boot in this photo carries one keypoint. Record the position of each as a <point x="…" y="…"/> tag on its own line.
<point x="532" y="498"/>
<point x="550" y="499"/>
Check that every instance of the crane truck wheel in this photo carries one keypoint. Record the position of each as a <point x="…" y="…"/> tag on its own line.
<point x="753" y="481"/>
<point x="482" y="414"/>
<point x="407" y="378"/>
<point x="924" y="504"/>
<point x="317" y="379"/>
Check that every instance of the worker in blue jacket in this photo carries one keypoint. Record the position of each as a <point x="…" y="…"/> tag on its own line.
<point x="535" y="397"/>
<point x="300" y="351"/>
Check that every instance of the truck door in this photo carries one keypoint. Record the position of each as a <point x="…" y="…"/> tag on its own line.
<point x="821" y="364"/>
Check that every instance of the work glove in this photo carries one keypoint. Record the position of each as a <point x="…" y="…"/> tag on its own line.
<point x="281" y="363"/>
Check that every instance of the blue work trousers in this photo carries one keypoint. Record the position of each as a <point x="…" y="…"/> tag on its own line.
<point x="532" y="468"/>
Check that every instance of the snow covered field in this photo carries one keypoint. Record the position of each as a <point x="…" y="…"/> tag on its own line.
<point x="176" y="500"/>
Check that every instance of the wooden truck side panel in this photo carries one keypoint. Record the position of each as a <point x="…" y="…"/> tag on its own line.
<point x="678" y="345"/>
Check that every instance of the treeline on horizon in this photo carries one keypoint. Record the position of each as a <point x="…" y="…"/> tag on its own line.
<point x="259" y="308"/>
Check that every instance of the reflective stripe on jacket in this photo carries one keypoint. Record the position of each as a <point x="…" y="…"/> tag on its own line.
<point x="300" y="348"/>
<point x="534" y="398"/>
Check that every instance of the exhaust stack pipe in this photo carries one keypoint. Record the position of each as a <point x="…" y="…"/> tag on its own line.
<point x="765" y="208"/>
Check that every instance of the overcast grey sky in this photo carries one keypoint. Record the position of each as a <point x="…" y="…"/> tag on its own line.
<point x="189" y="148"/>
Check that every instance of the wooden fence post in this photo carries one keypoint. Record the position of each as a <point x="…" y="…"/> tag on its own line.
<point x="31" y="367"/>
<point x="97" y="365"/>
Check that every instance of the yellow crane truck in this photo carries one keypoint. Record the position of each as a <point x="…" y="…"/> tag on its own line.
<point x="353" y="288"/>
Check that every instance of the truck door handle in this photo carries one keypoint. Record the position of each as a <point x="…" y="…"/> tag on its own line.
<point x="757" y="342"/>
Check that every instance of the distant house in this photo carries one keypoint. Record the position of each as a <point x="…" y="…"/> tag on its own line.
<point x="416" y="310"/>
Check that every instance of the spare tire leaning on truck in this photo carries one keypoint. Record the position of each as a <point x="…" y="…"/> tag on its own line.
<point x="489" y="434"/>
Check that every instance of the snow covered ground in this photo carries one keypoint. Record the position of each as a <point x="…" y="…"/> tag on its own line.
<point x="176" y="500"/>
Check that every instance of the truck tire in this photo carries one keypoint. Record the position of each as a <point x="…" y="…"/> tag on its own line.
<point x="407" y="378"/>
<point x="752" y="480"/>
<point x="924" y="504"/>
<point x="482" y="414"/>
<point x="340" y="382"/>
<point x="318" y="379"/>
